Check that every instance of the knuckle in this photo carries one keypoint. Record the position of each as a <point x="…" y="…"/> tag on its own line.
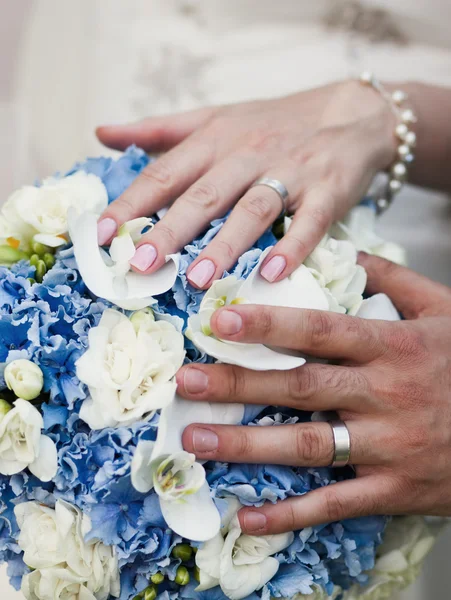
<point x="203" y="194"/>
<point x="236" y="383"/>
<point x="335" y="507"/>
<point x="319" y="328"/>
<point x="407" y="344"/>
<point x="264" y="323"/>
<point x="224" y="249"/>
<point x="124" y="206"/>
<point x="310" y="445"/>
<point x="244" y="446"/>
<point x="159" y="174"/>
<point x="321" y="217"/>
<point x="167" y="233"/>
<point x="258" y="207"/>
<point x="302" y="384"/>
<point x="264" y="140"/>
<point x="289" y="517"/>
<point x="300" y="247"/>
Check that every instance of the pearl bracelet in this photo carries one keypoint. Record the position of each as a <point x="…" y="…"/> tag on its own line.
<point x="407" y="141"/>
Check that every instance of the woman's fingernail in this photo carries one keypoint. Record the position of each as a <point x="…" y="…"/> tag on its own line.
<point x="273" y="268"/>
<point x="144" y="257"/>
<point x="195" y="381"/>
<point x="202" y="272"/>
<point x="106" y="228"/>
<point x="254" y="521"/>
<point x="229" y="322"/>
<point x="204" y="440"/>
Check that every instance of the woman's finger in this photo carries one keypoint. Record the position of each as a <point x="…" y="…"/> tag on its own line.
<point x="208" y="198"/>
<point x="300" y="445"/>
<point x="318" y="333"/>
<point x="158" y="184"/>
<point x="310" y="223"/>
<point x="312" y="387"/>
<point x="370" y="495"/>
<point x="250" y="218"/>
<point x="155" y="134"/>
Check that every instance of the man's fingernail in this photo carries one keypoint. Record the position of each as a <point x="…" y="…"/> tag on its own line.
<point x="229" y="322"/>
<point x="106" y="228"/>
<point x="195" y="381"/>
<point x="254" y="521"/>
<point x="204" y="440"/>
<point x="273" y="268"/>
<point x="202" y="273"/>
<point x="144" y="257"/>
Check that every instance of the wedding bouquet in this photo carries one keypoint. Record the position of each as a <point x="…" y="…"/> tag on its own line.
<point x="98" y="499"/>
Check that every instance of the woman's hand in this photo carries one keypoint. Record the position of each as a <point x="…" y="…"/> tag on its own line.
<point x="324" y="145"/>
<point x="393" y="390"/>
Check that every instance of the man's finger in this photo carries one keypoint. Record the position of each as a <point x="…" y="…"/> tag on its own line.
<point x="317" y="333"/>
<point x="413" y="294"/>
<point x="300" y="445"/>
<point x="360" y="497"/>
<point x="155" y="134"/>
<point x="312" y="387"/>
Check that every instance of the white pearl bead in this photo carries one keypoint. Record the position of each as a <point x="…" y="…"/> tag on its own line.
<point x="395" y="186"/>
<point x="382" y="204"/>
<point x="367" y="77"/>
<point x="403" y="150"/>
<point x="408" y="116"/>
<point x="399" y="97"/>
<point x="399" y="171"/>
<point x="410" y="139"/>
<point x="401" y="131"/>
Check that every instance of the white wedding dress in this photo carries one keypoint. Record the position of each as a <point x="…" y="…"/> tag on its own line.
<point x="72" y="66"/>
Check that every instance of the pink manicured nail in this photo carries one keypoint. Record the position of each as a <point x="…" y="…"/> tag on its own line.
<point x="273" y="268"/>
<point x="204" y="440"/>
<point x="195" y="381"/>
<point x="202" y="273"/>
<point x="229" y="322"/>
<point x="144" y="257"/>
<point x="254" y="521"/>
<point x="106" y="228"/>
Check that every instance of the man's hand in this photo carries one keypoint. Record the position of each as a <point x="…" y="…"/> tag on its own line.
<point x="392" y="388"/>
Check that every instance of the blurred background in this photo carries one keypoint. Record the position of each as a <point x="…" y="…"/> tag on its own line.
<point x="66" y="67"/>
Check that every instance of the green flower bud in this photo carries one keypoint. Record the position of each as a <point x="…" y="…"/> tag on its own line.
<point x="31" y="280"/>
<point x="197" y="574"/>
<point x="40" y="249"/>
<point x="150" y="593"/>
<point x="141" y="318"/>
<point x="34" y="259"/>
<point x="9" y="256"/>
<point x="49" y="260"/>
<point x="5" y="407"/>
<point x="138" y="597"/>
<point x="182" y="576"/>
<point x="41" y="270"/>
<point x="182" y="551"/>
<point x="157" y="578"/>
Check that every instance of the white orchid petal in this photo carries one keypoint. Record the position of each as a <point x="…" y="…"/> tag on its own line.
<point x="46" y="463"/>
<point x="380" y="307"/>
<point x="142" y="474"/>
<point x="122" y="248"/>
<point x="208" y="556"/>
<point x="206" y="582"/>
<point x="53" y="241"/>
<point x="299" y="290"/>
<point x="98" y="277"/>
<point x="250" y="356"/>
<point x="195" y="517"/>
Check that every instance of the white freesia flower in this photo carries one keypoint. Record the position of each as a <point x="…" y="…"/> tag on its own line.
<point x="359" y="227"/>
<point x="24" y="378"/>
<point x="41" y="212"/>
<point x="22" y="445"/>
<point x="129" y="368"/>
<point x="299" y="290"/>
<point x="241" y="564"/>
<point x="407" y="542"/>
<point x="108" y="275"/>
<point x="66" y="566"/>
<point x="190" y="510"/>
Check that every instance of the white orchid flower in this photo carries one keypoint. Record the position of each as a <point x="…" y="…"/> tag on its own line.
<point x="299" y="290"/>
<point x="22" y="445"/>
<point x="241" y="564"/>
<point x="359" y="227"/>
<point x="189" y="511"/>
<point x="129" y="368"/>
<point x="109" y="276"/>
